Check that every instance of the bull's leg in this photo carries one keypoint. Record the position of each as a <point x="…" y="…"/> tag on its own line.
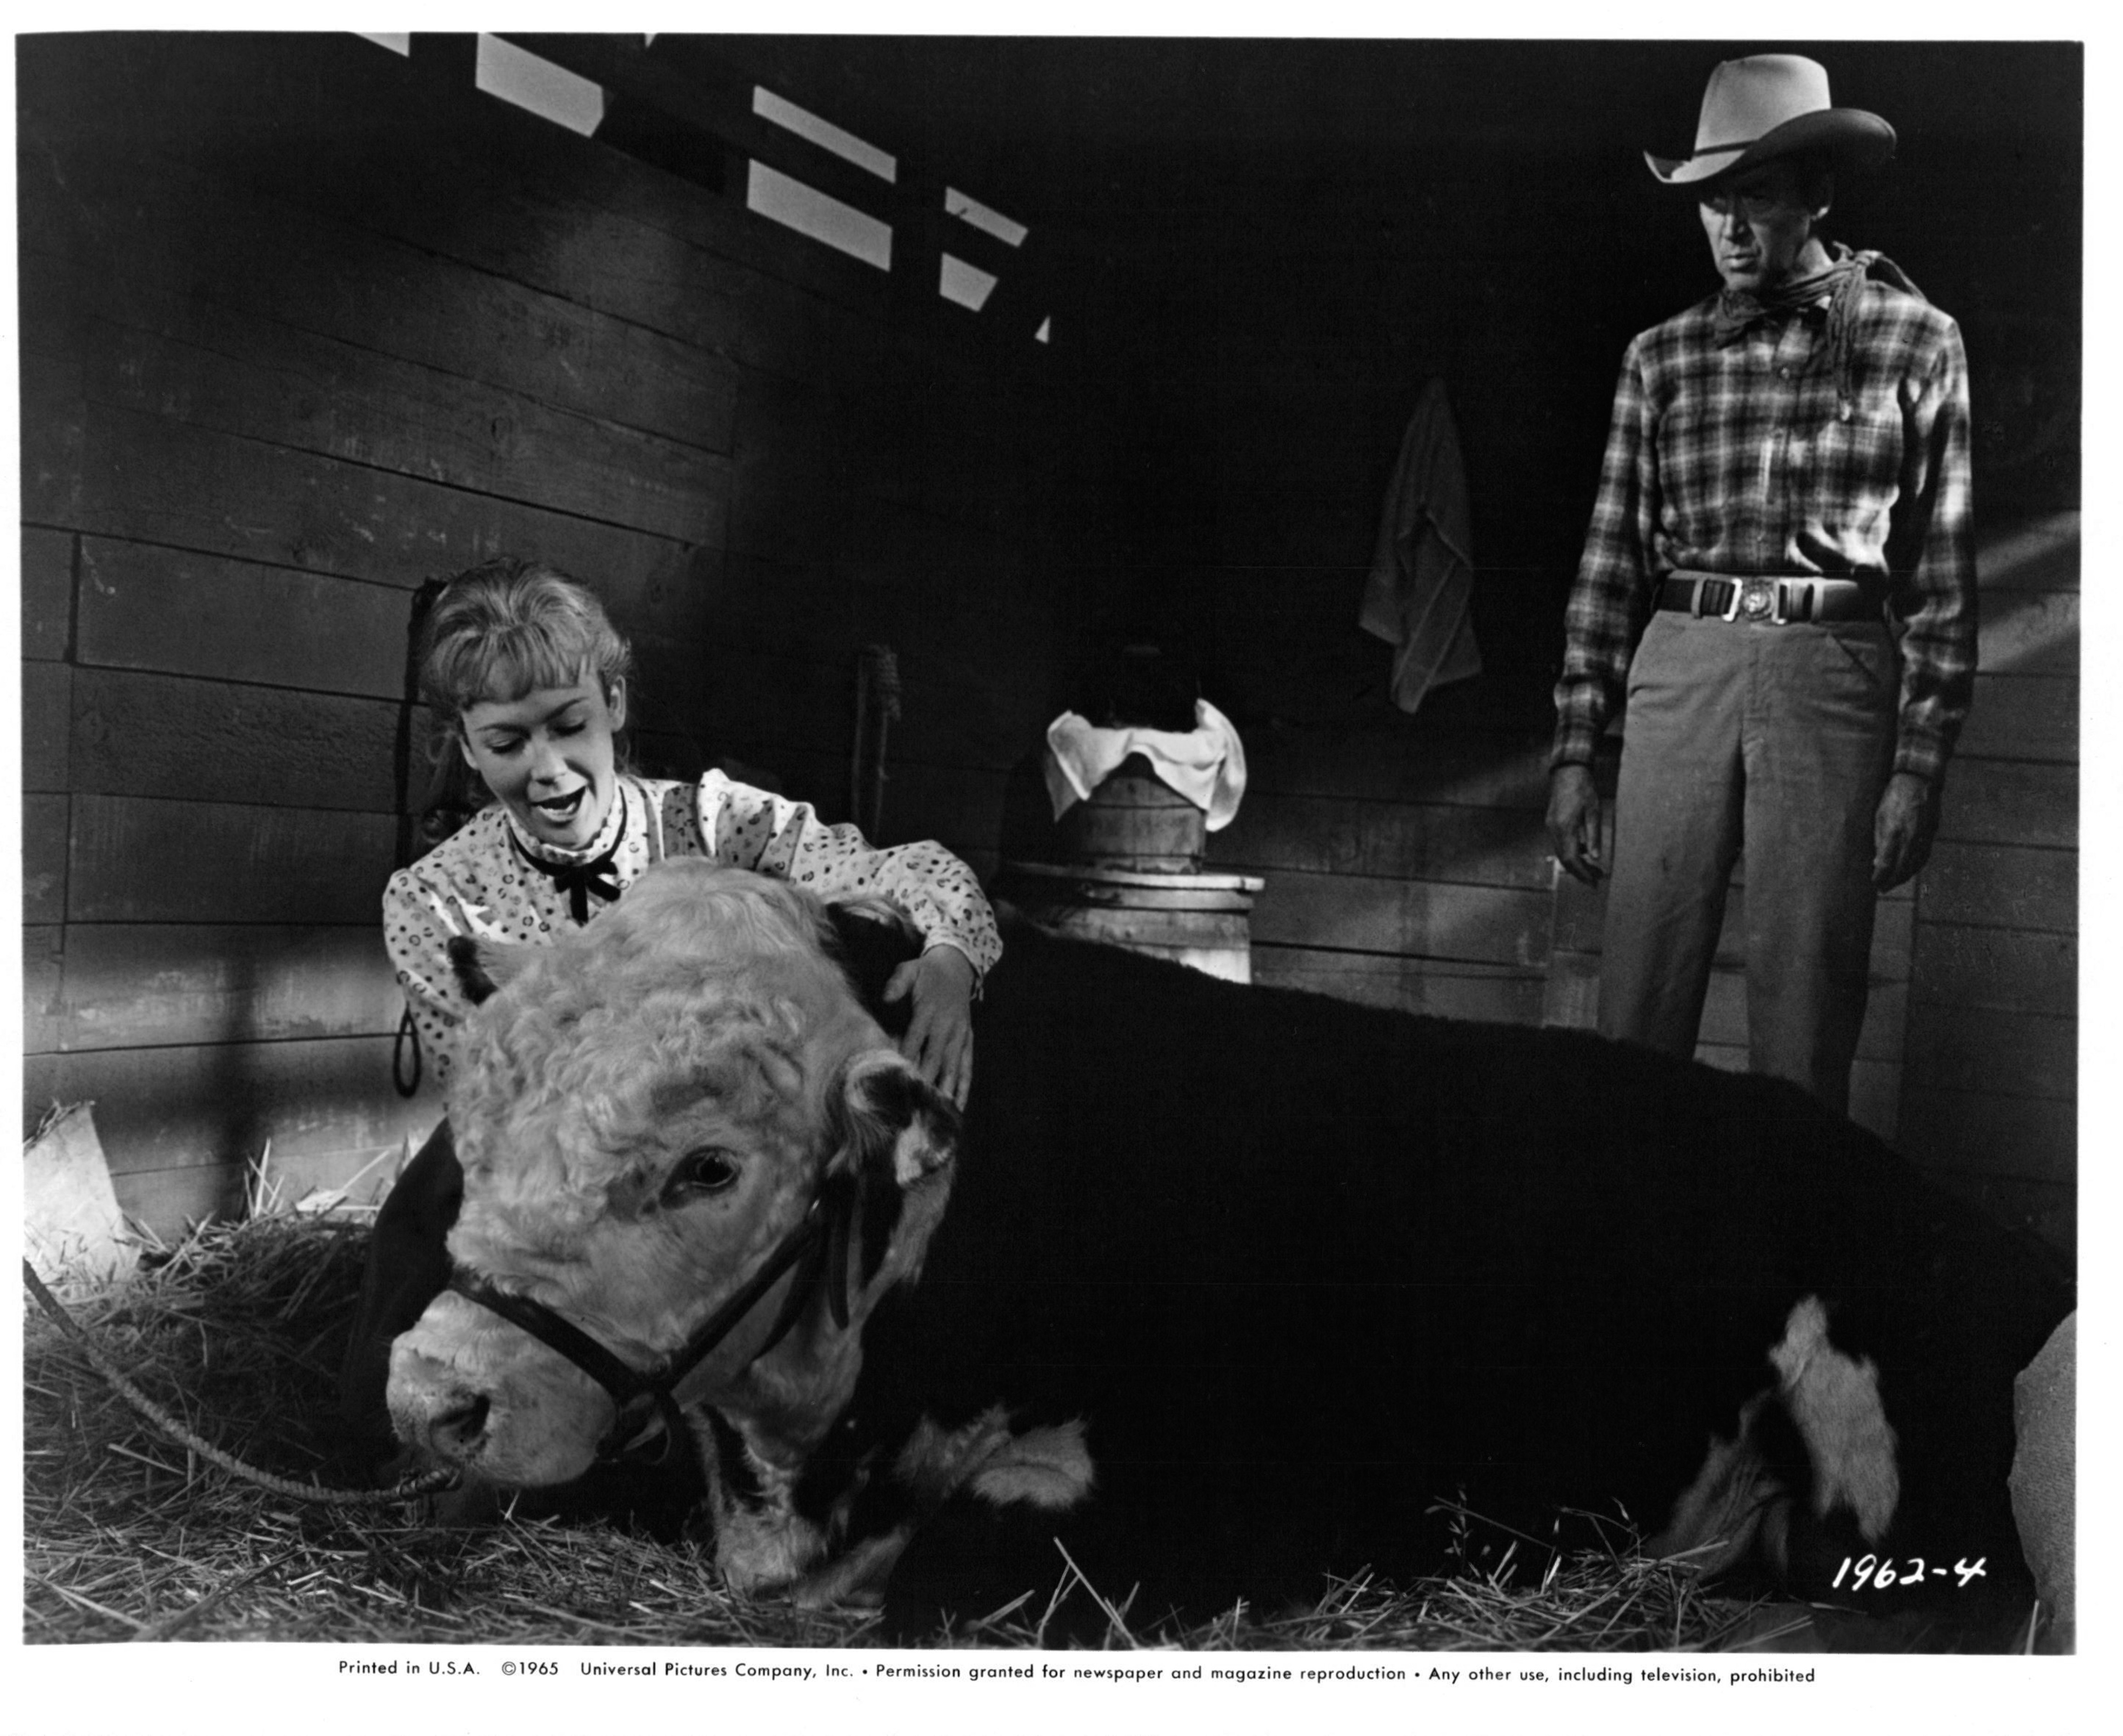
<point x="1739" y="1503"/>
<point x="761" y="1543"/>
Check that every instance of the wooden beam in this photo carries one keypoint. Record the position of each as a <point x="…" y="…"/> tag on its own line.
<point x="1490" y="994"/>
<point x="2040" y="555"/>
<point x="131" y="985"/>
<point x="1996" y="801"/>
<point x="2010" y="969"/>
<point x="1403" y="764"/>
<point x="1982" y="1133"/>
<point x="2006" y="1053"/>
<point x="45" y="831"/>
<point x="717" y="104"/>
<point x="218" y="1104"/>
<point x="1414" y="918"/>
<point x="149" y="608"/>
<point x="47" y="707"/>
<point x="44" y="974"/>
<point x="135" y="859"/>
<point x="48" y="558"/>
<point x="2029" y="633"/>
<point x="148" y="479"/>
<point x="2022" y="717"/>
<point x="53" y="430"/>
<point x="2047" y="1209"/>
<point x="323" y="275"/>
<point x="233" y="374"/>
<point x="2001" y="886"/>
<point x="414" y="151"/>
<point x="1474" y="846"/>
<point x="212" y="741"/>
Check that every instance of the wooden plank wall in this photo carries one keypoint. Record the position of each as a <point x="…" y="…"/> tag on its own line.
<point x="305" y="323"/>
<point x="1404" y="856"/>
<point x="1991" y="1062"/>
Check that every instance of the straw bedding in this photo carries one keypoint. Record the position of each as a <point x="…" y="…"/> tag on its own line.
<point x="239" y="1329"/>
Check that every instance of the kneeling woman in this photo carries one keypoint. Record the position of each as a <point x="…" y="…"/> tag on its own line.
<point x="523" y="665"/>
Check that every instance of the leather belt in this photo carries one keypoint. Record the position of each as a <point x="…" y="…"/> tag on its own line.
<point x="1768" y="602"/>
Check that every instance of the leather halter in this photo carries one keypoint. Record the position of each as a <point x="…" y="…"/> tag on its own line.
<point x="819" y="1241"/>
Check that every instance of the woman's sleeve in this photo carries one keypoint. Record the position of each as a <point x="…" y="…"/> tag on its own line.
<point x="418" y="922"/>
<point x="746" y="827"/>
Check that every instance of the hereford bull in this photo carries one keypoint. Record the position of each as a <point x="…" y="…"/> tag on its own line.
<point x="1234" y="1286"/>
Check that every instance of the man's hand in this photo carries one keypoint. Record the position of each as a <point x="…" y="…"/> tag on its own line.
<point x="1902" y="829"/>
<point x="939" y="1037"/>
<point x="1573" y="822"/>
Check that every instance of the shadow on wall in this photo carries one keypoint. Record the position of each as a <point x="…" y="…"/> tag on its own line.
<point x="203" y="1045"/>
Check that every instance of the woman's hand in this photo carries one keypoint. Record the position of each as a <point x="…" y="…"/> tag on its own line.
<point x="939" y="1037"/>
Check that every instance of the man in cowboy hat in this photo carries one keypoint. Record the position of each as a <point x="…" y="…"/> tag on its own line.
<point x="1786" y="468"/>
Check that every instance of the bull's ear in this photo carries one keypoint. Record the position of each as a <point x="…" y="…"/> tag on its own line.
<point x="898" y="1130"/>
<point x="484" y="966"/>
<point x="900" y="1126"/>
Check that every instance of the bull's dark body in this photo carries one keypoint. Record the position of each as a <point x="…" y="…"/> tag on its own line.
<point x="1306" y="1267"/>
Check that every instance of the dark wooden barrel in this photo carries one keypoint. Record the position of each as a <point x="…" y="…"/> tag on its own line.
<point x="1135" y="823"/>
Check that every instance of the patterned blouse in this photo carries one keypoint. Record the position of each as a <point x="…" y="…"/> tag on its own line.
<point x="1742" y="447"/>
<point x="476" y="882"/>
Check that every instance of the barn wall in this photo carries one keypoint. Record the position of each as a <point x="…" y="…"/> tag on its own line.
<point x="1284" y="308"/>
<point x="1293" y="334"/>
<point x="1991" y="1074"/>
<point x="305" y="323"/>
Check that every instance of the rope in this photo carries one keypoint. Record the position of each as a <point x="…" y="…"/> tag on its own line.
<point x="414" y="1487"/>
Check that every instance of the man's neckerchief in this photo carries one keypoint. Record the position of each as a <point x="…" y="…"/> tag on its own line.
<point x="1841" y="286"/>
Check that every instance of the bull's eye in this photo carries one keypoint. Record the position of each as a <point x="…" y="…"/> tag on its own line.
<point x="706" y="1169"/>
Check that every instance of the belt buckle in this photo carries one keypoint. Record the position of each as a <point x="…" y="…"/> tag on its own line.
<point x="1756" y="601"/>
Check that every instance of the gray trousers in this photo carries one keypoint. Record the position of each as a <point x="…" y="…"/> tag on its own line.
<point x="1778" y="740"/>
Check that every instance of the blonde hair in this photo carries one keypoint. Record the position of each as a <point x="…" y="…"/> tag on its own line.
<point x="507" y="627"/>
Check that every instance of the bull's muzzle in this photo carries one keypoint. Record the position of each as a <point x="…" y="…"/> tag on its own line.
<point x="435" y="1411"/>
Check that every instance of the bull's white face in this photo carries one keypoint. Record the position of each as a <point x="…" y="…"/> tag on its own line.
<point x="645" y="1113"/>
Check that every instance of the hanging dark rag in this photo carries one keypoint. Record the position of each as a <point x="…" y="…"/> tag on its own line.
<point x="1422" y="570"/>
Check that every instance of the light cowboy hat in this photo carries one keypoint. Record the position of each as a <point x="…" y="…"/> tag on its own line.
<point x="1773" y="105"/>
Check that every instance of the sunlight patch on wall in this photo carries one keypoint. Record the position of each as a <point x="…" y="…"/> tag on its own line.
<point x="823" y="133"/>
<point x="970" y="210"/>
<point x="399" y="42"/>
<point x="968" y="285"/>
<point x="552" y="91"/>
<point x="818" y="215"/>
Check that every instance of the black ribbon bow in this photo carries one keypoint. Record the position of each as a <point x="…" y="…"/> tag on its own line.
<point x="577" y="879"/>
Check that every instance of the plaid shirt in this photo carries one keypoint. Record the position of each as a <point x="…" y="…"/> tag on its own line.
<point x="1741" y="457"/>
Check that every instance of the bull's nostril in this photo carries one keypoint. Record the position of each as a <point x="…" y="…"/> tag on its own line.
<point x="455" y="1431"/>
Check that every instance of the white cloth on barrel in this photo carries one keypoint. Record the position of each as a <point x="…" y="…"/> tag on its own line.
<point x="1205" y="764"/>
